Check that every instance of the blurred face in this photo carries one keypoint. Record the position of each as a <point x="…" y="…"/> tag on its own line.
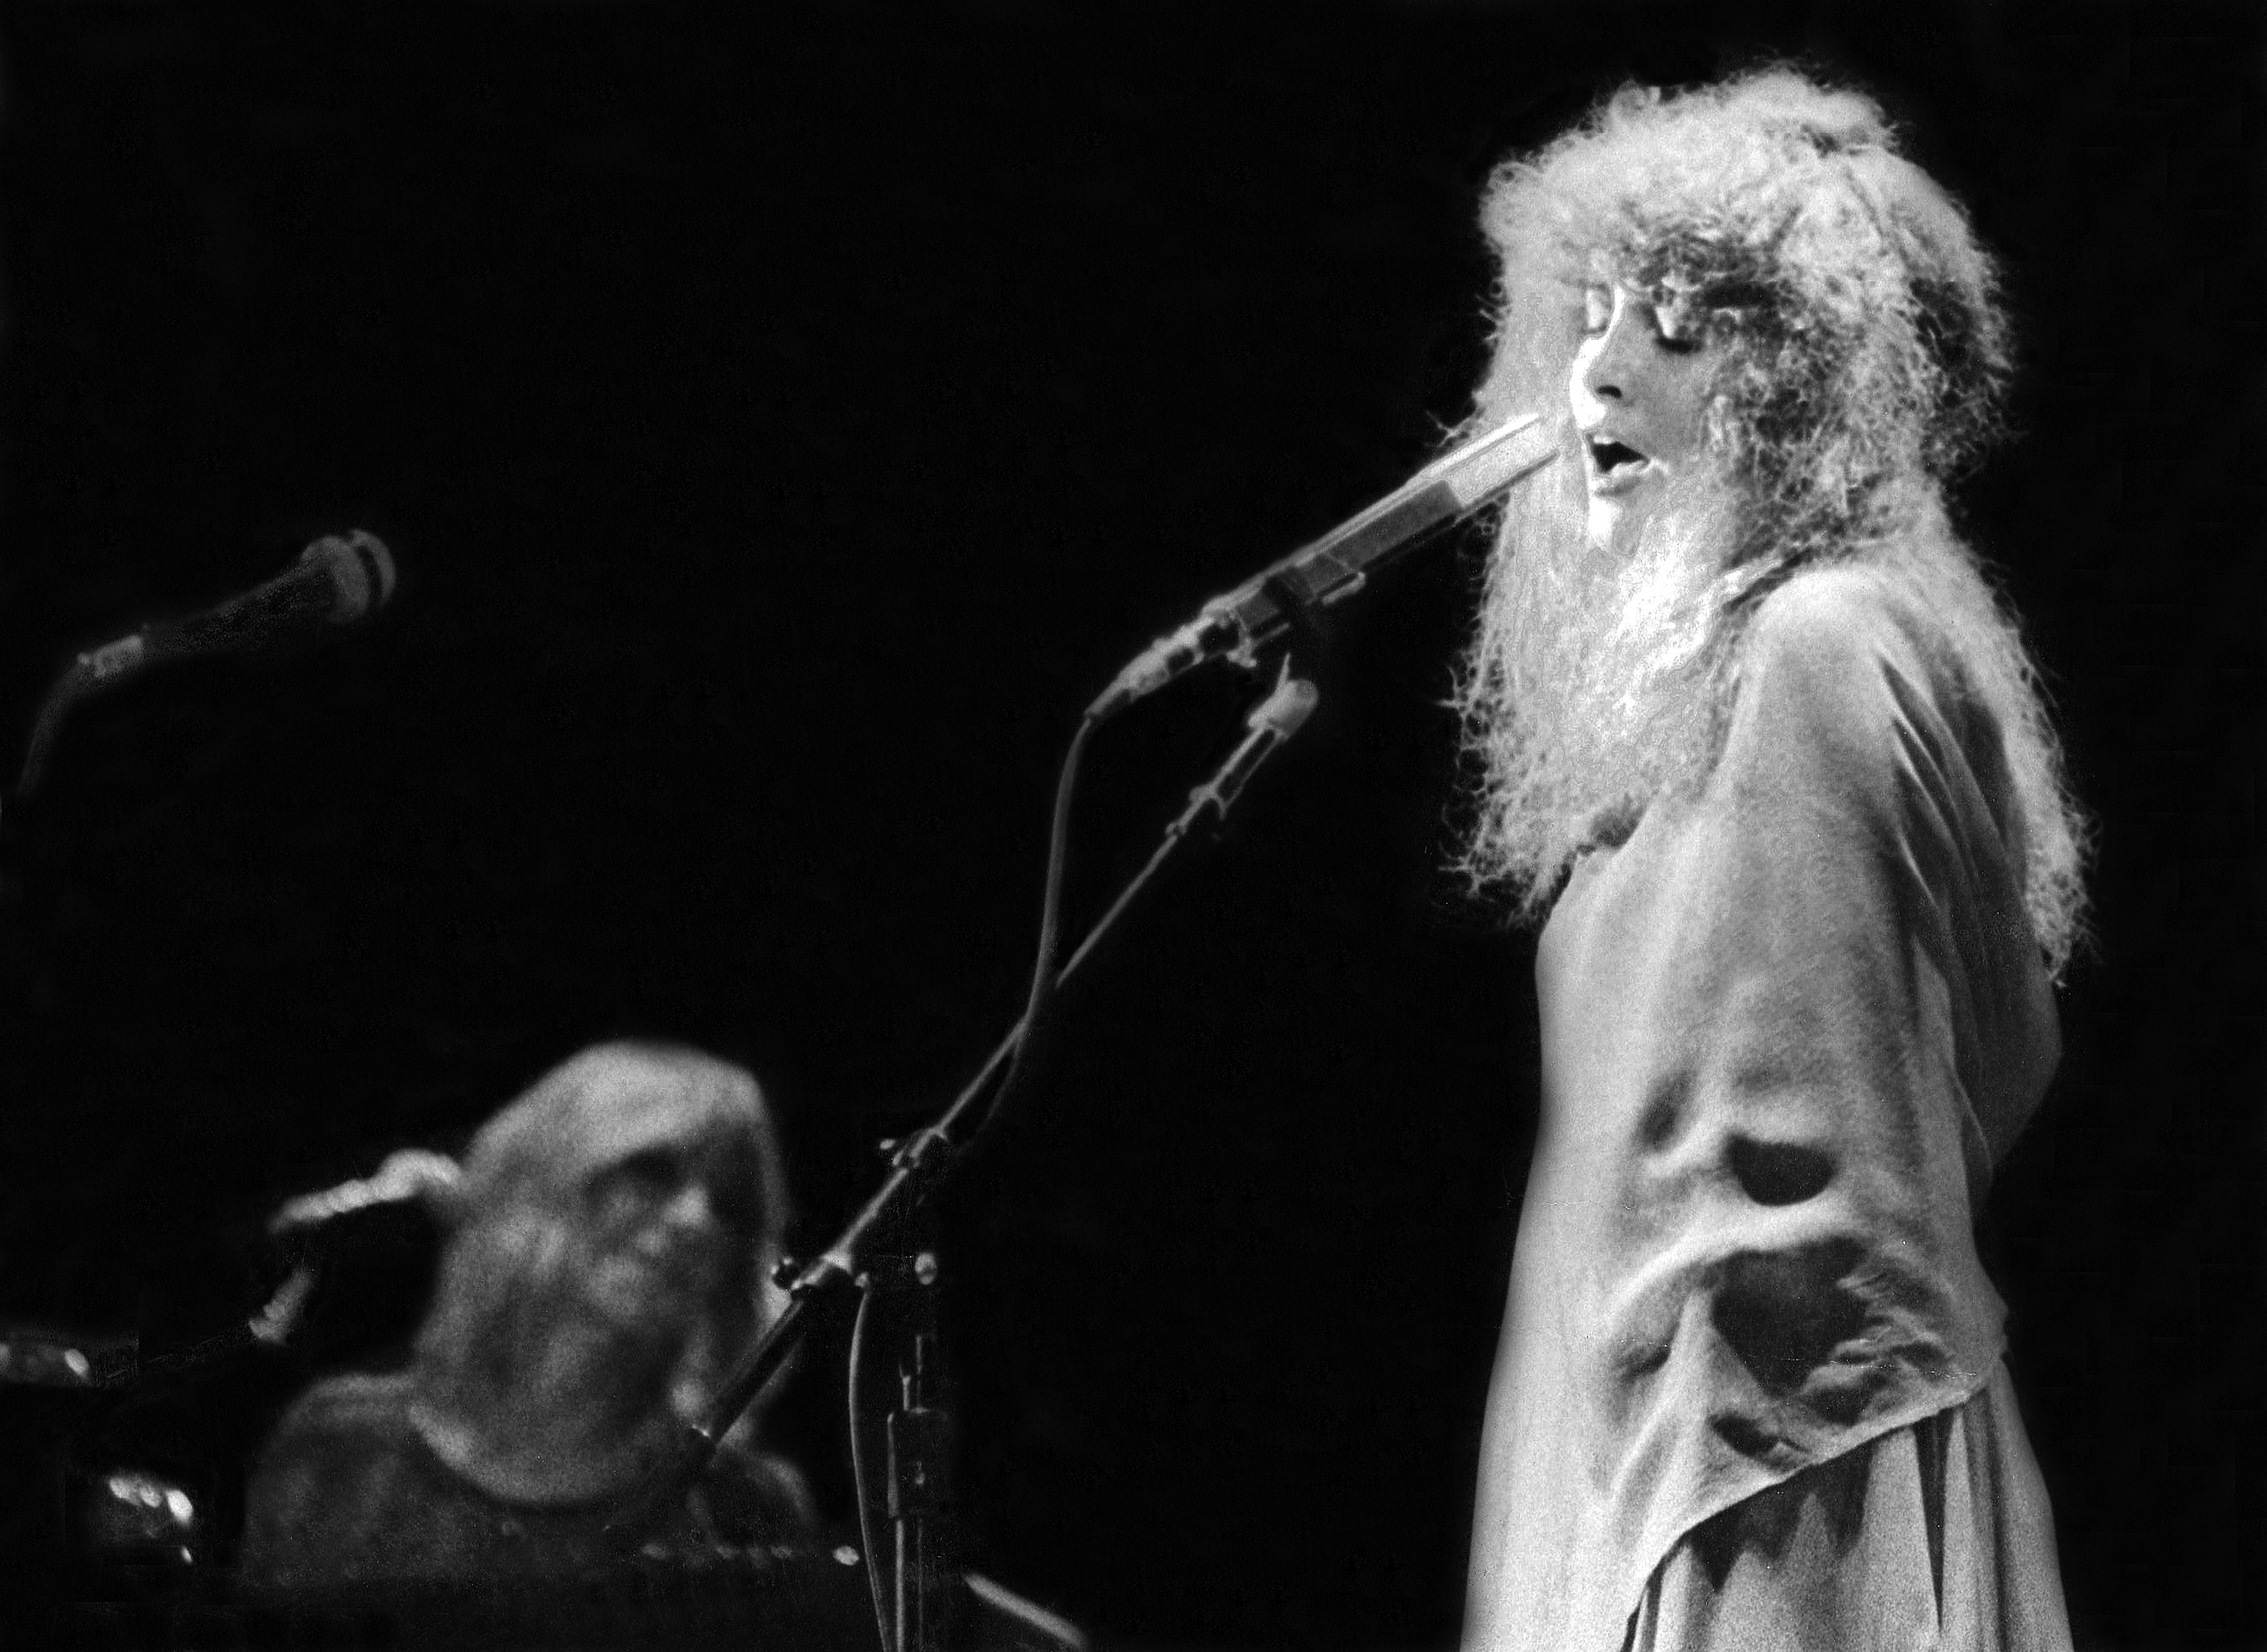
<point x="665" y="1229"/>
<point x="1640" y="392"/>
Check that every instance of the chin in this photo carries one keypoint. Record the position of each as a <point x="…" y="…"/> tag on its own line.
<point x="1617" y="523"/>
<point x="642" y="1303"/>
<point x="1612" y="524"/>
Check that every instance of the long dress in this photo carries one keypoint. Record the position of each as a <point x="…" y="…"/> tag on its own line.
<point x="1750" y="1391"/>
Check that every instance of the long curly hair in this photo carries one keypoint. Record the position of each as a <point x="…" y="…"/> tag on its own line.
<point x="1864" y="353"/>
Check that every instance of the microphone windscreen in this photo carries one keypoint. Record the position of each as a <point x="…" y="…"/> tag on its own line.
<point x="361" y="569"/>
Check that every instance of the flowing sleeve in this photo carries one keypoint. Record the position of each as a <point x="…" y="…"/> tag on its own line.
<point x="1838" y="1019"/>
<point x="1867" y="876"/>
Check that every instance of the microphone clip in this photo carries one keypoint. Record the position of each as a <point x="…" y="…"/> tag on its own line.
<point x="1302" y="607"/>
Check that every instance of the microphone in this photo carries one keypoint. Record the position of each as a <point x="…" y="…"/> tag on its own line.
<point x="1238" y="624"/>
<point x="302" y="1230"/>
<point x="338" y="580"/>
<point x="410" y="1176"/>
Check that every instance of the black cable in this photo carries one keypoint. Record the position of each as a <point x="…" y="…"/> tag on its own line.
<point x="1044" y="977"/>
<point x="924" y="1156"/>
<point x="860" y="1485"/>
<point x="66" y="692"/>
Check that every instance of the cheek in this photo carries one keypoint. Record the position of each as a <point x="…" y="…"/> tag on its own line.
<point x="1690" y="410"/>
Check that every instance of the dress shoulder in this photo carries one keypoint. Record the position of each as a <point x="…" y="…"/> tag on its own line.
<point x="1846" y="685"/>
<point x="327" y="1472"/>
<point x="1836" y="629"/>
<point x="341" y="1417"/>
<point x="1819" y="604"/>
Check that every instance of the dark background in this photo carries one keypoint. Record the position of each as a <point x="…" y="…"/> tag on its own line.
<point x="784" y="428"/>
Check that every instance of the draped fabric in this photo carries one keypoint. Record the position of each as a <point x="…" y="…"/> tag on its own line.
<point x="1933" y="1535"/>
<point x="1788" y="1025"/>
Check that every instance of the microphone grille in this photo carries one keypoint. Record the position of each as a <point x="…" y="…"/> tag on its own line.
<point x="361" y="569"/>
<point x="1492" y="462"/>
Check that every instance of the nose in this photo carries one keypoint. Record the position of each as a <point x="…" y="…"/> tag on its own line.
<point x="690" y="1209"/>
<point x="1606" y="366"/>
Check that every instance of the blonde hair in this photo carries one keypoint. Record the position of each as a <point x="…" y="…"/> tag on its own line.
<point x="521" y="1195"/>
<point x="1864" y="357"/>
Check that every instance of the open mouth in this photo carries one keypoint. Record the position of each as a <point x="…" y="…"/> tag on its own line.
<point x="1614" y="459"/>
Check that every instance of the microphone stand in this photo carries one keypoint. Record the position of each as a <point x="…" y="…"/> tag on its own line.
<point x="915" y="1613"/>
<point x="871" y="1254"/>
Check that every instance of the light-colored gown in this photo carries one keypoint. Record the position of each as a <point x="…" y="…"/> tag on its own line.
<point x="1749" y="1391"/>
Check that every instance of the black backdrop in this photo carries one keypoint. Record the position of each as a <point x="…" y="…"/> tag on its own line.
<point x="783" y="429"/>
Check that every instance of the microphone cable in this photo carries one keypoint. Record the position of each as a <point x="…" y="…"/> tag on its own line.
<point x="860" y="1480"/>
<point x="1044" y="976"/>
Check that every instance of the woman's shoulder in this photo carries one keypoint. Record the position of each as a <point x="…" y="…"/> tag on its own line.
<point x="1849" y="646"/>
<point x="355" y="1406"/>
<point x="319" y="1502"/>
<point x="1840" y="614"/>
<point x="1845" y="687"/>
<point x="346" y="1430"/>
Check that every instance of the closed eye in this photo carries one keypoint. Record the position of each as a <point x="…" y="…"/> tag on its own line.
<point x="1597" y="310"/>
<point x="642" y="1182"/>
<point x="1674" y="325"/>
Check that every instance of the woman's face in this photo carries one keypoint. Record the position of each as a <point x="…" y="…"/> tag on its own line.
<point x="1639" y="393"/>
<point x="665" y="1228"/>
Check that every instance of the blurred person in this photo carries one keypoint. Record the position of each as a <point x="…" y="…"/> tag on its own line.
<point x="1767" y="759"/>
<point x="609" y="1248"/>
